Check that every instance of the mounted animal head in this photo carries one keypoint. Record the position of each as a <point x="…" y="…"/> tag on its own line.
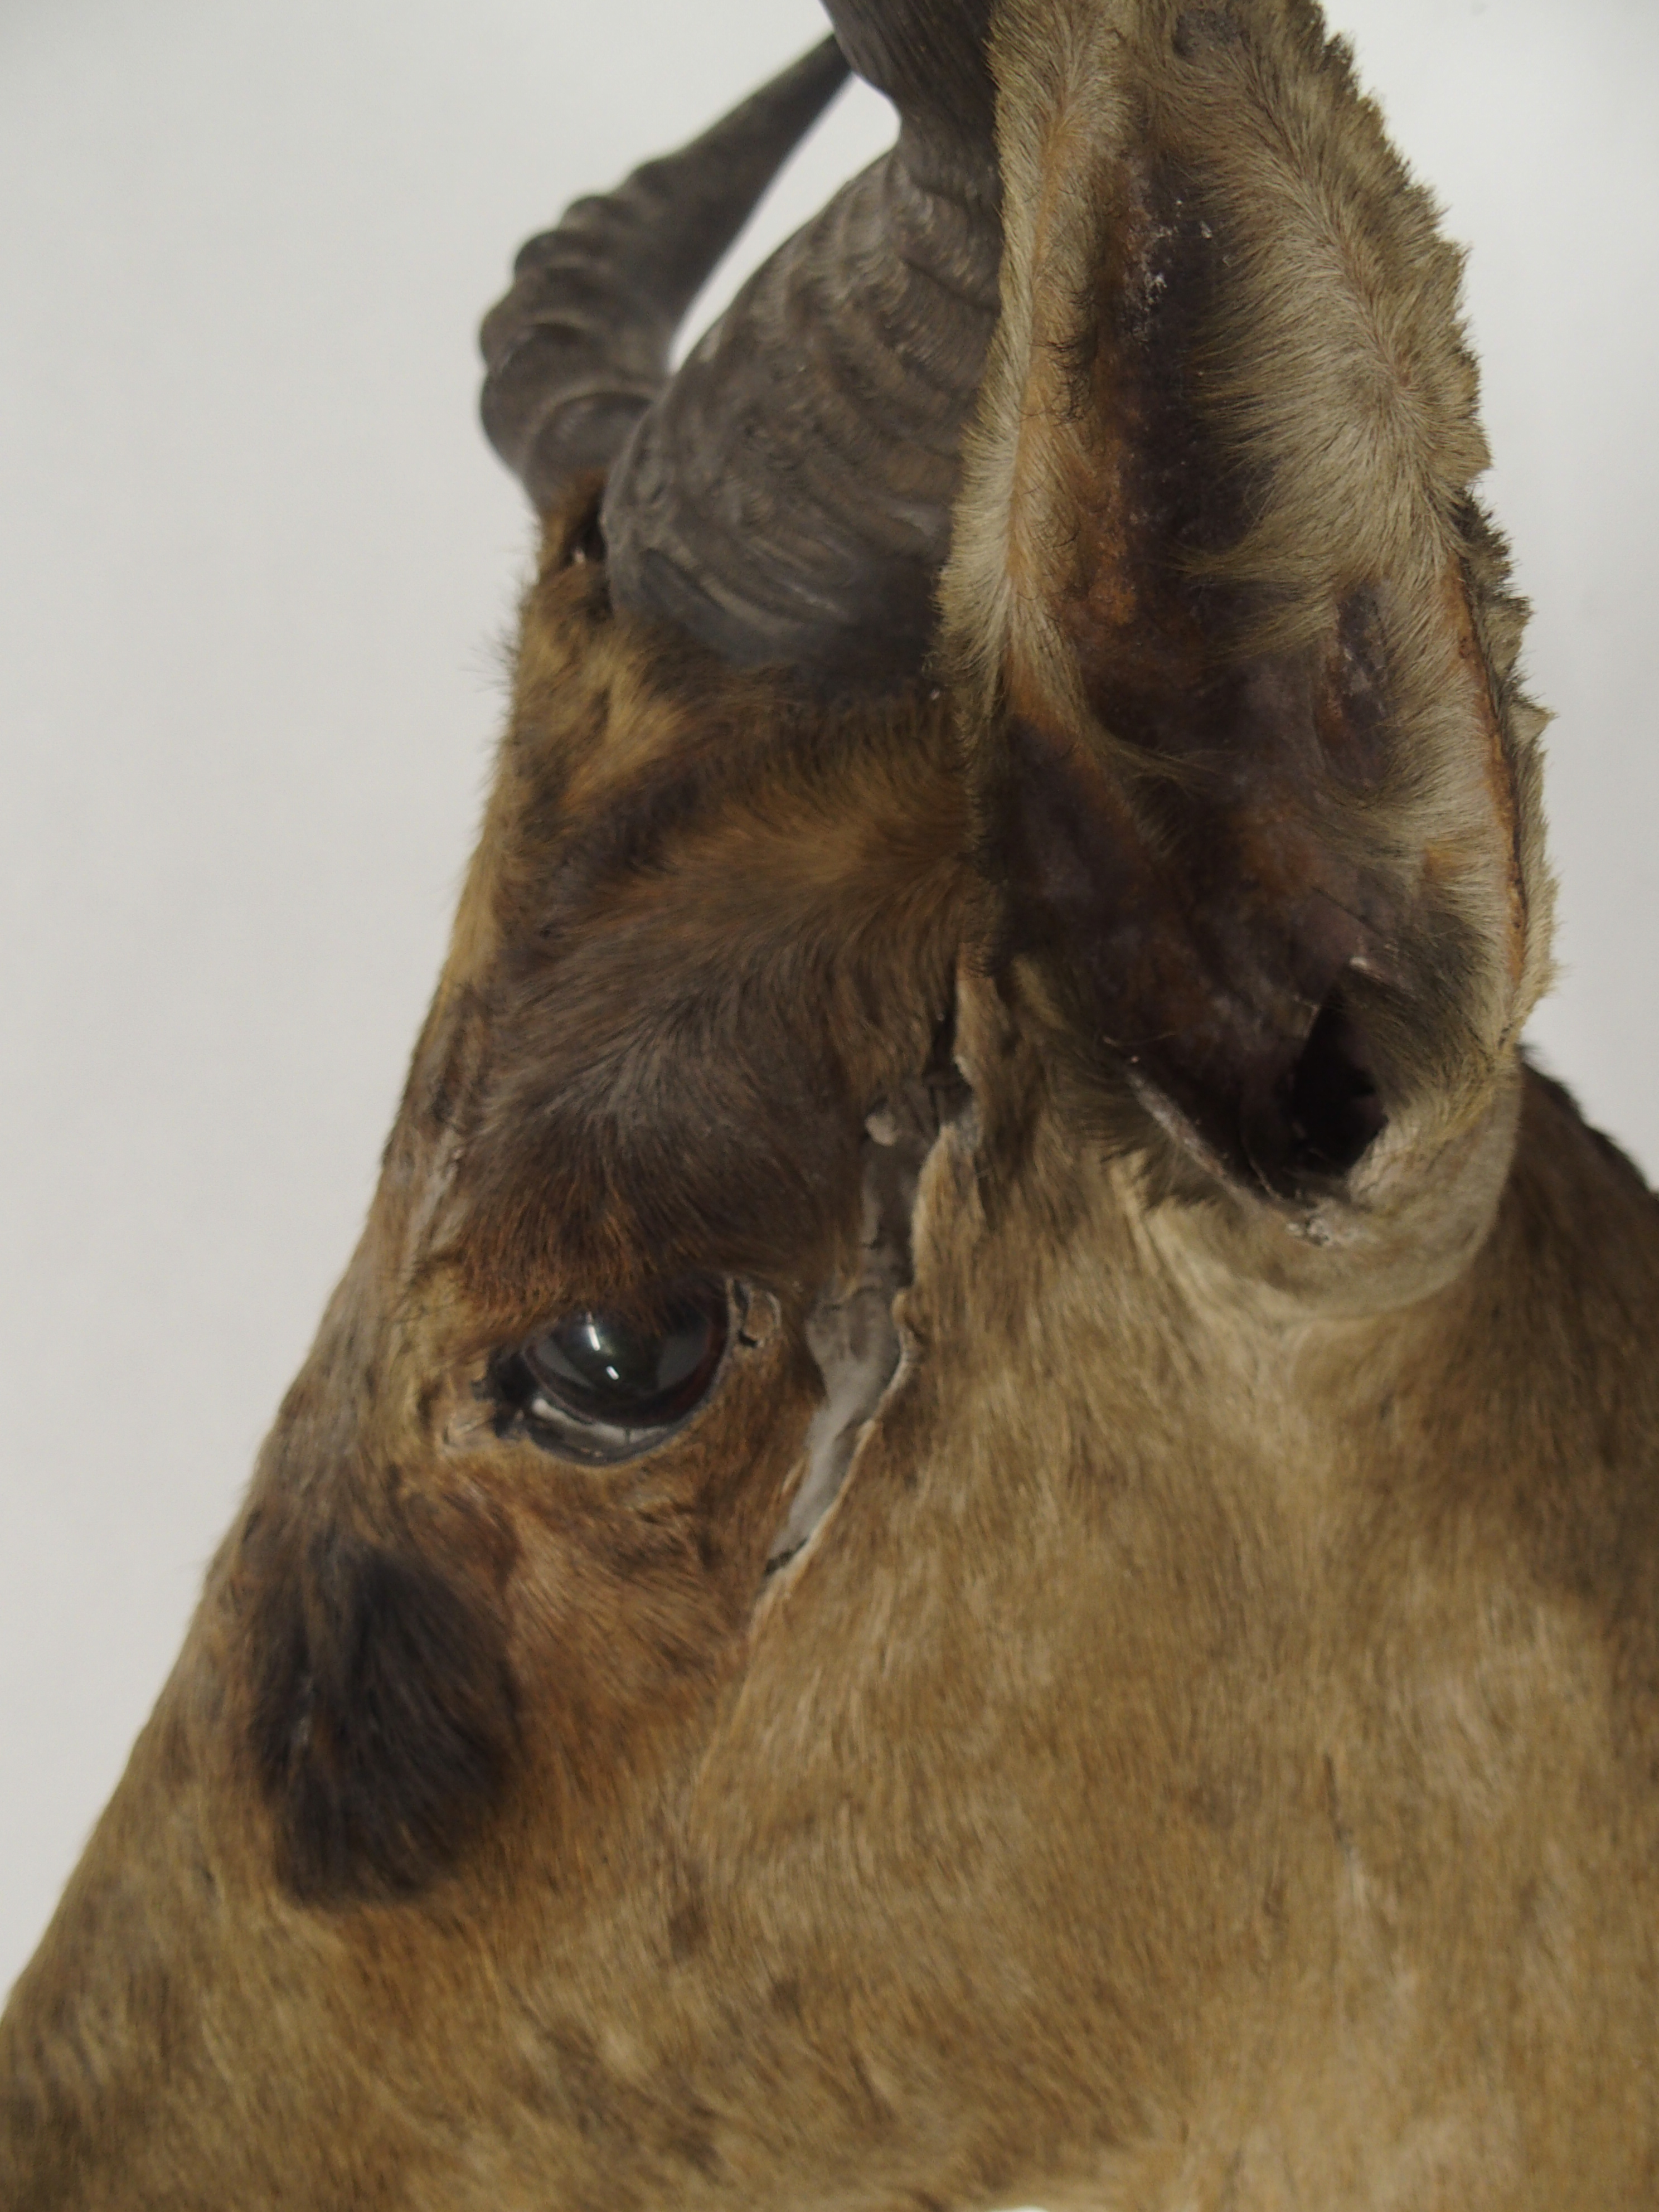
<point x="900" y="1574"/>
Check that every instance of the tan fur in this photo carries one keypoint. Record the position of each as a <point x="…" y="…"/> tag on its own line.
<point x="1205" y="1758"/>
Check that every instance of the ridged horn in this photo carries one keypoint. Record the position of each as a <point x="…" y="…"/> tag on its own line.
<point x="578" y="350"/>
<point x="788" y="498"/>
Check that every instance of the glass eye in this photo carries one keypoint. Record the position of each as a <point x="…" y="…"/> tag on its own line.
<point x="606" y="1383"/>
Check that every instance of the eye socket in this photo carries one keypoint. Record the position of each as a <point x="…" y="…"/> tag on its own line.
<point x="605" y="1383"/>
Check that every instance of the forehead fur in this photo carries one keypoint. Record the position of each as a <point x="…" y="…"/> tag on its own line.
<point x="707" y="924"/>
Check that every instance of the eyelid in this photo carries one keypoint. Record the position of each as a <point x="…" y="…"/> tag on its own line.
<point x="596" y="1443"/>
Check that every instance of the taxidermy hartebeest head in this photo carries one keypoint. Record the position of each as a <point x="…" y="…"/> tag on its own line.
<point x="980" y="1522"/>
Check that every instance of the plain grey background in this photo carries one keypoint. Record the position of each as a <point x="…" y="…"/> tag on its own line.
<point x="256" y="566"/>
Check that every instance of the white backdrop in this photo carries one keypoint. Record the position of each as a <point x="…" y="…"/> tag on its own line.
<point x="256" y="567"/>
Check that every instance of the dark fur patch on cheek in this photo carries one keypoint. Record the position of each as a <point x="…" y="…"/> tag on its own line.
<point x="385" y="1722"/>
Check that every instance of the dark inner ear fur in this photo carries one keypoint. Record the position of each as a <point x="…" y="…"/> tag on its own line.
<point x="1204" y="928"/>
<point x="384" y="1723"/>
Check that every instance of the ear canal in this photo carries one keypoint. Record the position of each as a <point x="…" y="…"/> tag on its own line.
<point x="787" y="499"/>
<point x="578" y="347"/>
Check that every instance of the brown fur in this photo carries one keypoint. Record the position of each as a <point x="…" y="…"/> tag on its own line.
<point x="1209" y="1753"/>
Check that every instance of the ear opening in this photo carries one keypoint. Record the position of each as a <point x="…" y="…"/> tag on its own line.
<point x="1331" y="1108"/>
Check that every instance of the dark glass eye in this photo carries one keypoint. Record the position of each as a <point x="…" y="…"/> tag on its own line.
<point x="606" y="1383"/>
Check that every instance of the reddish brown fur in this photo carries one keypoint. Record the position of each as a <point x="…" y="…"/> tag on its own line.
<point x="1208" y="1755"/>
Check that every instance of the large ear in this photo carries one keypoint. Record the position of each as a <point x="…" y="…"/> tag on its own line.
<point x="1253" y="766"/>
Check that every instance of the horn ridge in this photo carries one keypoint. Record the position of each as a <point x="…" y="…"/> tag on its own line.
<point x="812" y="535"/>
<point x="578" y="348"/>
<point x="788" y="498"/>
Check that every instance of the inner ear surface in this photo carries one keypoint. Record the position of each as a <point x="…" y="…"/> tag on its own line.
<point x="1194" y="941"/>
<point x="1222" y="607"/>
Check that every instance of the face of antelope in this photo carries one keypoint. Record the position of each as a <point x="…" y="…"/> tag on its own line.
<point x="918" y="1563"/>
